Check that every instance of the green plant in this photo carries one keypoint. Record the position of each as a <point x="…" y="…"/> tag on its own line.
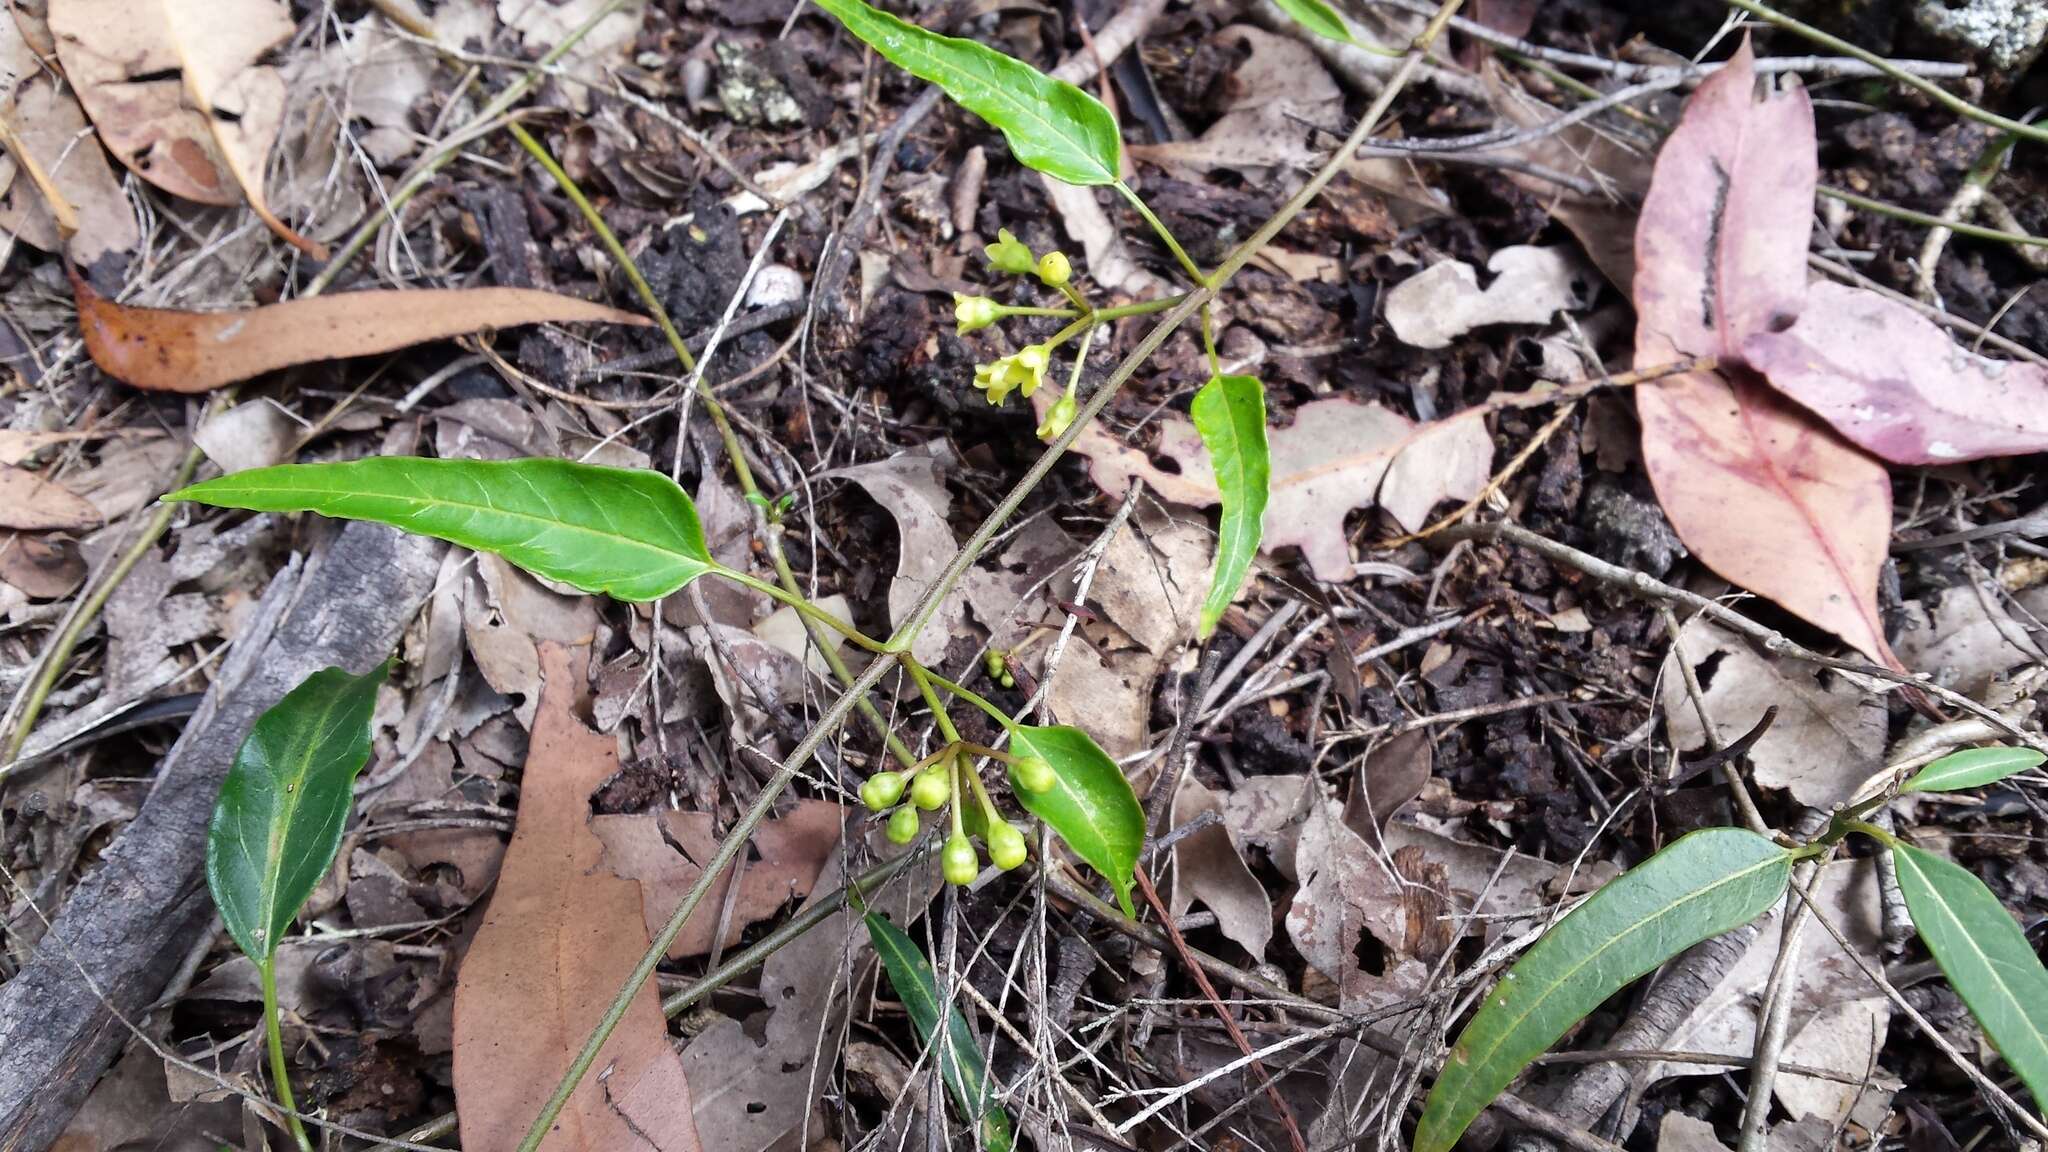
<point x="277" y="826"/>
<point x="635" y="535"/>
<point x="1717" y="879"/>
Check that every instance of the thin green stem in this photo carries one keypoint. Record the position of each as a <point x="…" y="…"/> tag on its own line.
<point x="1934" y="91"/>
<point x="730" y="439"/>
<point x="1141" y="308"/>
<point x="1874" y="832"/>
<point x="1165" y="234"/>
<point x="1079" y="301"/>
<point x="605" y="237"/>
<point x="1209" y="342"/>
<point x="803" y="607"/>
<point x="1959" y="227"/>
<point x="267" y="971"/>
<point x="1007" y="310"/>
<point x="997" y="714"/>
<point x="973" y="749"/>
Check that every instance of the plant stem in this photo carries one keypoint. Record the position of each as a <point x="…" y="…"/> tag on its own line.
<point x="278" y="1072"/>
<point x="741" y="471"/>
<point x="1910" y="216"/>
<point x="1165" y="234"/>
<point x="1934" y="91"/>
<point x="997" y="714"/>
<point x="928" y="604"/>
<point x="606" y="237"/>
<point x="803" y="607"/>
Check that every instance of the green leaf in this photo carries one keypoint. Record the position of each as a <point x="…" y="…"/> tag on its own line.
<point x="626" y="532"/>
<point x="278" y="822"/>
<point x="1318" y="18"/>
<point x="965" y="1075"/>
<point x="1230" y="413"/>
<point x="1700" y="886"/>
<point x="1051" y="125"/>
<point x="1090" y="805"/>
<point x="1984" y="955"/>
<point x="1972" y="768"/>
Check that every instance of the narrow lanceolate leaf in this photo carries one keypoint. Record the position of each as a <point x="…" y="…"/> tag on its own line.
<point x="278" y="822"/>
<point x="626" y="532"/>
<point x="1051" y="125"/>
<point x="1701" y="886"/>
<point x="1984" y="955"/>
<point x="1972" y="768"/>
<point x="1090" y="805"/>
<point x="1230" y="413"/>
<point x="1318" y="18"/>
<point x="965" y="1074"/>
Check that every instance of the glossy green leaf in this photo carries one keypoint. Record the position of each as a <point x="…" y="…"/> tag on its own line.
<point x="965" y="1074"/>
<point x="626" y="532"/>
<point x="278" y="822"/>
<point x="1318" y="18"/>
<point x="1972" y="768"/>
<point x="1090" y="805"/>
<point x="1985" y="956"/>
<point x="1701" y="886"/>
<point x="1230" y="413"/>
<point x="1051" y="125"/>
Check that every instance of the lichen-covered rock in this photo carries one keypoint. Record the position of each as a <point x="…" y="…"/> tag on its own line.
<point x="2006" y="35"/>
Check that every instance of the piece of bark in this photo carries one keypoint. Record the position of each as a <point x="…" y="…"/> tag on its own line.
<point x="128" y="923"/>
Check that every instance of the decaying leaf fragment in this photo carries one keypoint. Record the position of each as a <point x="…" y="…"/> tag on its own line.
<point x="1337" y="455"/>
<point x="1444" y="301"/>
<point x="178" y="91"/>
<point x="167" y="350"/>
<point x="558" y="941"/>
<point x="1762" y="492"/>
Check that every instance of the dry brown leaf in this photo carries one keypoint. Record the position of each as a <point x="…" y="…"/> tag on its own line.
<point x="42" y="568"/>
<point x="31" y="503"/>
<point x="559" y="939"/>
<point x="1209" y="867"/>
<point x="1829" y="735"/>
<point x="177" y="92"/>
<point x="1337" y="455"/>
<point x="1761" y="491"/>
<point x="167" y="350"/>
<point x="787" y="855"/>
<point x="49" y="122"/>
<point x="1277" y="98"/>
<point x="1444" y="301"/>
<point x="543" y="24"/>
<point x="1965" y="637"/>
<point x="910" y="487"/>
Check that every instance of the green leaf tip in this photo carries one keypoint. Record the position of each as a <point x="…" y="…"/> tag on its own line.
<point x="1052" y="126"/>
<point x="1702" y="885"/>
<point x="623" y="532"/>
<point x="1230" y="414"/>
<point x="966" y="1076"/>
<point x="1090" y="805"/>
<point x="278" y="822"/>
<point x="1972" y="768"/>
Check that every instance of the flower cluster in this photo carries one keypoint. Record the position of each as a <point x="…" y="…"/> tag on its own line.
<point x="929" y="786"/>
<point x="1018" y="372"/>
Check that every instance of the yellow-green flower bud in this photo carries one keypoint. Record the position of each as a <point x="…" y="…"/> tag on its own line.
<point x="902" y="826"/>
<point x="931" y="789"/>
<point x="1005" y="845"/>
<point x="958" y="860"/>
<point x="1034" y="774"/>
<point x="973" y="313"/>
<point x="1054" y="270"/>
<point x="1059" y="417"/>
<point x="1009" y="254"/>
<point x="882" y="790"/>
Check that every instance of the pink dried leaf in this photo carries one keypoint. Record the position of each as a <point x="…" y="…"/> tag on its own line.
<point x="1887" y="378"/>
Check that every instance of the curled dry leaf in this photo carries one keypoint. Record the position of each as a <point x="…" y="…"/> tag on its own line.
<point x="167" y="350"/>
<point x="558" y="941"/>
<point x="1761" y="491"/>
<point x="911" y="489"/>
<point x="1887" y="378"/>
<point x="1209" y="867"/>
<point x="1277" y="99"/>
<point x="1444" y="301"/>
<point x="31" y="503"/>
<point x="1337" y="455"/>
<point x="1829" y="734"/>
<point x="787" y="856"/>
<point x="177" y="93"/>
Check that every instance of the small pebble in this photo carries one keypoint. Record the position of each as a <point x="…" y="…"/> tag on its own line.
<point x="775" y="284"/>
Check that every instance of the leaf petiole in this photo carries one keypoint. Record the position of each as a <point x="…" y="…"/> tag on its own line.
<point x="803" y="607"/>
<point x="267" y="970"/>
<point x="1166" y="235"/>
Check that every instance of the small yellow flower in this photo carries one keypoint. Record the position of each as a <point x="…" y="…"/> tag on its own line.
<point x="1058" y="418"/>
<point x="1054" y="269"/>
<point x="1009" y="254"/>
<point x="973" y="313"/>
<point x="1021" y="371"/>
